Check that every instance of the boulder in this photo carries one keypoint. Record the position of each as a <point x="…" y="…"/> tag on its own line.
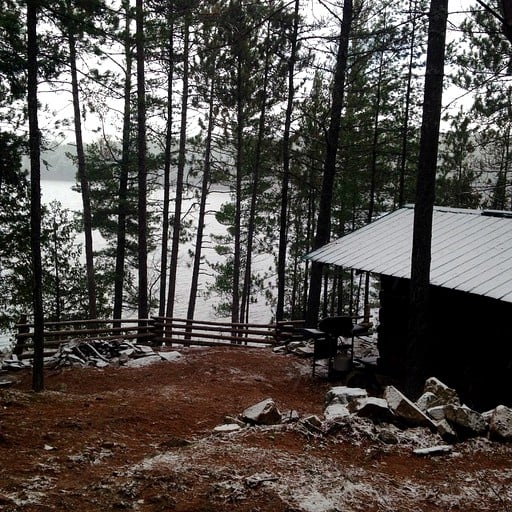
<point x="443" y="393"/>
<point x="344" y="395"/>
<point x="445" y="430"/>
<point x="263" y="413"/>
<point x="376" y="409"/>
<point x="500" y="425"/>
<point x="336" y="411"/>
<point x="428" y="399"/>
<point x="466" y="421"/>
<point x="436" y="413"/>
<point x="405" y="410"/>
<point x="170" y="356"/>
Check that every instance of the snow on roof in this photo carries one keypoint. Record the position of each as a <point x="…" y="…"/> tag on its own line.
<point x="471" y="249"/>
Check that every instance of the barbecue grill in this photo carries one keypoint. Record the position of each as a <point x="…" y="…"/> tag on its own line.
<point x="326" y="339"/>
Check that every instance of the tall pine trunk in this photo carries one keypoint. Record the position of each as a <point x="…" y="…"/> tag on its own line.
<point x="143" y="309"/>
<point x="82" y="171"/>
<point x="251" y="227"/>
<point x="407" y="108"/>
<point x="124" y="172"/>
<point x="167" y="167"/>
<point x="283" y="217"/>
<point x="202" y="204"/>
<point x="176" y="226"/>
<point x="417" y="357"/>
<point x="329" y="170"/>
<point x="35" y="197"/>
<point x="237" y="256"/>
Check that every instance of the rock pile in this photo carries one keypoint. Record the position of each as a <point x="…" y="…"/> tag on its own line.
<point x="439" y="412"/>
<point x="97" y="353"/>
<point x="438" y="408"/>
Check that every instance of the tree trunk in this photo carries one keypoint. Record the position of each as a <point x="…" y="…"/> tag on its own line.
<point x="176" y="227"/>
<point x="124" y="173"/>
<point x="235" y="306"/>
<point x="56" y="271"/>
<point x="329" y="171"/>
<point x="143" y="310"/>
<point x="82" y="171"/>
<point x="202" y="205"/>
<point x="283" y="218"/>
<point x="417" y="357"/>
<point x="167" y="168"/>
<point x="35" y="198"/>
<point x="408" y="89"/>
<point x="244" y="310"/>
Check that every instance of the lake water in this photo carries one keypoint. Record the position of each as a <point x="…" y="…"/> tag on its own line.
<point x="259" y="312"/>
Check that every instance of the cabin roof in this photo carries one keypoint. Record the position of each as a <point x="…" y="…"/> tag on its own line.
<point x="471" y="249"/>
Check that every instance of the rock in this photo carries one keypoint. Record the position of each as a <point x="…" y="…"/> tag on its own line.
<point x="445" y="430"/>
<point x="376" y="409"/>
<point x="5" y="500"/>
<point x="387" y="437"/>
<point x="336" y="411"/>
<point x="314" y="421"/>
<point x="143" y="360"/>
<point x="344" y="395"/>
<point x="73" y="359"/>
<point x="171" y="356"/>
<point x="428" y="399"/>
<point x="500" y="425"/>
<point x="13" y="364"/>
<point x="231" y="419"/>
<point x="263" y="413"/>
<point x="310" y="425"/>
<point x="467" y="423"/>
<point x="436" y="413"/>
<point x="259" y="478"/>
<point x="487" y="415"/>
<point x="444" y="394"/>
<point x="127" y="352"/>
<point x="434" y="450"/>
<point x="290" y="416"/>
<point x="144" y="349"/>
<point x="294" y="345"/>
<point x="304" y="351"/>
<point x="405" y="410"/>
<point x="227" y="428"/>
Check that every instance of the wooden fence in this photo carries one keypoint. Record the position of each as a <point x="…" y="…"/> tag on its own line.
<point x="157" y="331"/>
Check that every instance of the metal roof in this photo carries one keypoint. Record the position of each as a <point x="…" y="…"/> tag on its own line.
<point x="471" y="249"/>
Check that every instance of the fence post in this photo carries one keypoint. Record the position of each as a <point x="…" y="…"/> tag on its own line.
<point x="154" y="332"/>
<point x="20" y="342"/>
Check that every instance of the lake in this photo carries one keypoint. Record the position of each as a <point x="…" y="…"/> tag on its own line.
<point x="260" y="312"/>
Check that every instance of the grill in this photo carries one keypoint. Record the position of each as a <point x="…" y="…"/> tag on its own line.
<point x="325" y="339"/>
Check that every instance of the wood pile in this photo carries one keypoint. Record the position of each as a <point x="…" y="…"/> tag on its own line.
<point x="91" y="352"/>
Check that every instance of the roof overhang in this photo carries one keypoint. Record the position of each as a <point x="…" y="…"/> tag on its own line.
<point x="471" y="249"/>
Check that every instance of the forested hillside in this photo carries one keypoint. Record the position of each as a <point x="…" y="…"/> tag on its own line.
<point x="256" y="98"/>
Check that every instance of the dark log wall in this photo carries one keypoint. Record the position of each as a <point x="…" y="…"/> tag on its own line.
<point x="470" y="341"/>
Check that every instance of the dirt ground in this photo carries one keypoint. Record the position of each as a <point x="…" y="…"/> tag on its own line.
<point x="141" y="439"/>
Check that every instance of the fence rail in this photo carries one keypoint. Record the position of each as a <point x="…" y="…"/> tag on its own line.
<point x="156" y="331"/>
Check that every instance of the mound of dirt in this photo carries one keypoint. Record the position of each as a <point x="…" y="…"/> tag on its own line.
<point x="141" y="438"/>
